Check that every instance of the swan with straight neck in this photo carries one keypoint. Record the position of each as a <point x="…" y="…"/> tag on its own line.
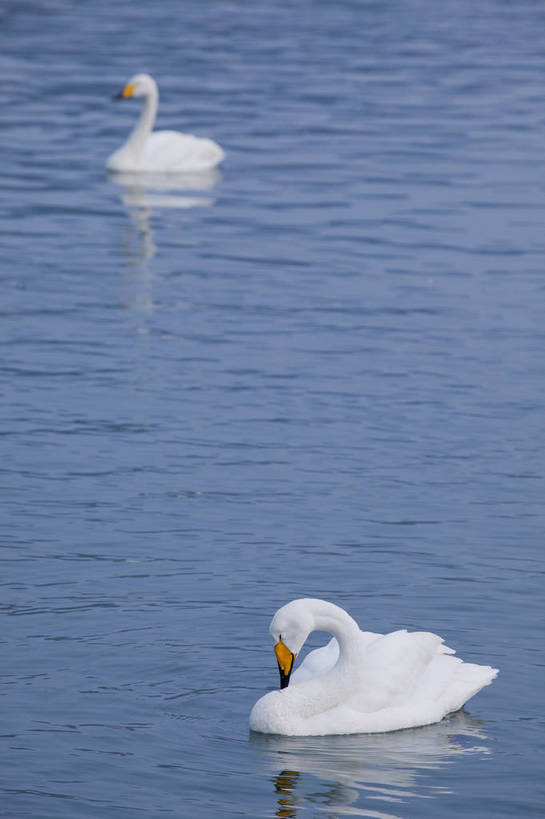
<point x="146" y="150"/>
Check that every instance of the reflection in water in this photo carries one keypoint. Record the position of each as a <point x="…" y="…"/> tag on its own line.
<point x="142" y="194"/>
<point x="165" y="190"/>
<point x="284" y="786"/>
<point x="364" y="768"/>
<point x="139" y="248"/>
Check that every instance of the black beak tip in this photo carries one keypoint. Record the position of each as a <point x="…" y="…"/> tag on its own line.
<point x="284" y="680"/>
<point x="118" y="96"/>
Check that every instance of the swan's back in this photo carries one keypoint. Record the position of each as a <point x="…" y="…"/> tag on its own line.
<point x="174" y="151"/>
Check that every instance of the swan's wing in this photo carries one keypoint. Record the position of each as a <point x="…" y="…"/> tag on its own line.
<point x="171" y="150"/>
<point x="396" y="664"/>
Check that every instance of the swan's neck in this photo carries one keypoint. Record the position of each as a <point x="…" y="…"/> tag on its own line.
<point x="334" y="620"/>
<point x="332" y="688"/>
<point x="144" y="125"/>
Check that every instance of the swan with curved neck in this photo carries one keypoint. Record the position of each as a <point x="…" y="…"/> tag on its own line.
<point x="160" y="151"/>
<point x="360" y="682"/>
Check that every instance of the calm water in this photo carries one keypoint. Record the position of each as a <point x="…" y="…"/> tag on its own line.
<point x="320" y="373"/>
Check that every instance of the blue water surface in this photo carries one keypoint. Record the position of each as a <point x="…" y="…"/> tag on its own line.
<point x="319" y="372"/>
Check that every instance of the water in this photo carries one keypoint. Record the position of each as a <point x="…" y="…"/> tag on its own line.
<point x="320" y="373"/>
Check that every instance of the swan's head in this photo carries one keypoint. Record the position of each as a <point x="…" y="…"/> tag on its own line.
<point x="141" y="85"/>
<point x="289" y="629"/>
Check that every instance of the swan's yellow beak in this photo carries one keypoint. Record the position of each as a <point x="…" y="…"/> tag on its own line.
<point x="285" y="660"/>
<point x="127" y="92"/>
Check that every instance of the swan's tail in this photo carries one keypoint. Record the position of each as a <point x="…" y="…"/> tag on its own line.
<point x="468" y="679"/>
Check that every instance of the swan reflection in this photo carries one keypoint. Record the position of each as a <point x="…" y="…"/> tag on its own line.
<point x="143" y="195"/>
<point x="162" y="190"/>
<point x="359" y="771"/>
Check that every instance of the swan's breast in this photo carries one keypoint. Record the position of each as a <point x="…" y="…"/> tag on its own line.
<point x="272" y="715"/>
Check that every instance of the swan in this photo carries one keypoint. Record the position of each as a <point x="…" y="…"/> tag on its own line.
<point x="360" y="682"/>
<point x="160" y="151"/>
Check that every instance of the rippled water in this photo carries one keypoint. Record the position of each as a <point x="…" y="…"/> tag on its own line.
<point x="319" y="372"/>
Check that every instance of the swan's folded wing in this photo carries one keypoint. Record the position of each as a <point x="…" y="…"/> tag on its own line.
<point x="172" y="150"/>
<point x="393" y="667"/>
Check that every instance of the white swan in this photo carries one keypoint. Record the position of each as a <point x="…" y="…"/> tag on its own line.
<point x="160" y="151"/>
<point x="360" y="682"/>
